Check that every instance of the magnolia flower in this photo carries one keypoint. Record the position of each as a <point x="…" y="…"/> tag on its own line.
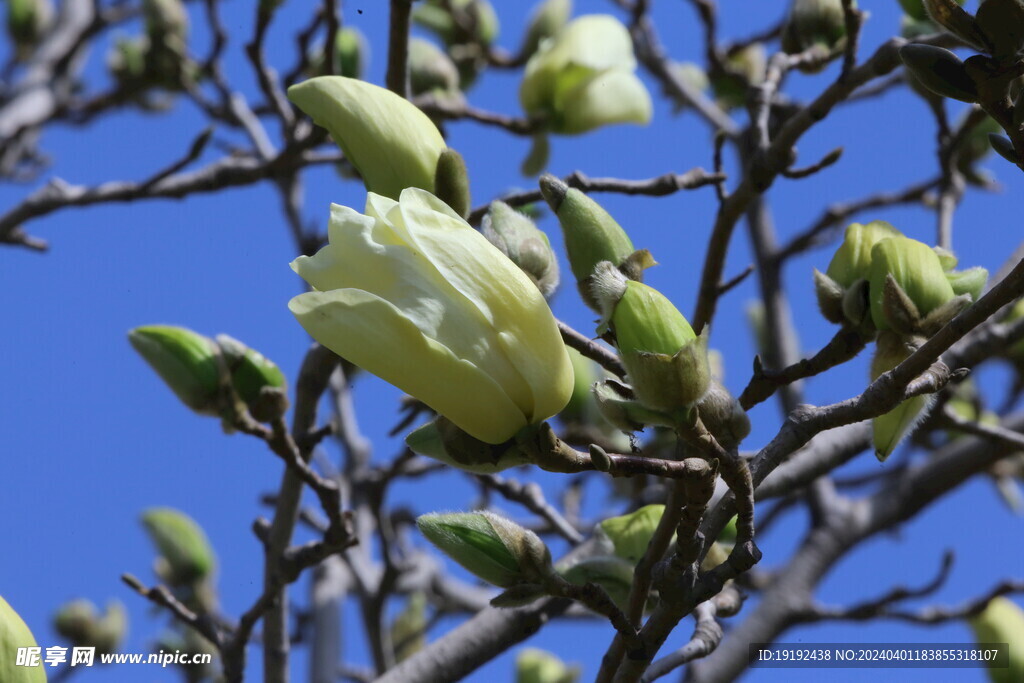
<point x="387" y="138"/>
<point x="413" y="294"/>
<point x="583" y="78"/>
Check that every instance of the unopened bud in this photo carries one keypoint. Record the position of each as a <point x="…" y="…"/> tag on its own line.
<point x="516" y="236"/>
<point x="451" y="182"/>
<point x="547" y="19"/>
<point x="186" y="361"/>
<point x="79" y="622"/>
<point x="431" y="70"/>
<point x="181" y="543"/>
<point x="630" y="534"/>
<point x="613" y="574"/>
<point x="1002" y="621"/>
<point x="940" y="71"/>
<point x="1001" y="22"/>
<point x="493" y="548"/>
<point x="14" y="635"/>
<point x="443" y="441"/>
<point x="916" y="272"/>
<point x="723" y="416"/>
<point x="814" y="22"/>
<point x="889" y="429"/>
<point x="538" y="666"/>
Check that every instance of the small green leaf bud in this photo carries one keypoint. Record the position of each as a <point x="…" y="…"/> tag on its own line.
<point x="631" y="533"/>
<point x="614" y="574"/>
<point x="14" y="634"/>
<point x="971" y="281"/>
<point x="186" y="361"/>
<point x="451" y="182"/>
<point x="917" y="271"/>
<point x="493" y="548"/>
<point x="830" y="297"/>
<point x="516" y="236"/>
<point x="351" y="53"/>
<point x="940" y="71"/>
<point x="1002" y="621"/>
<point x="250" y="371"/>
<point x="442" y="440"/>
<point x="889" y="429"/>
<point x="182" y="543"/>
<point x="547" y="19"/>
<point x="538" y="666"/>
<point x="723" y="416"/>
<point x="814" y="22"/>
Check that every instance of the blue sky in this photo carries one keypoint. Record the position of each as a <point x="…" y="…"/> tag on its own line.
<point x="90" y="437"/>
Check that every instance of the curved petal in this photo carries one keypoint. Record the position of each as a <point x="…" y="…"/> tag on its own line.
<point x="388" y="139"/>
<point x="595" y="41"/>
<point x="502" y="293"/>
<point x="615" y="96"/>
<point x="375" y="335"/>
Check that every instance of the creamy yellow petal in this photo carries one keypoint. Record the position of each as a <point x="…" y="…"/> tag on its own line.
<point x="505" y="296"/>
<point x="378" y="337"/>
<point x="616" y="96"/>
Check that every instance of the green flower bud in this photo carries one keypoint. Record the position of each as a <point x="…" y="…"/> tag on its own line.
<point x="538" y="666"/>
<point x="830" y="297"/>
<point x="814" y="22"/>
<point x="915" y="9"/>
<point x="14" y="633"/>
<point x="408" y="630"/>
<point x="723" y="416"/>
<point x="583" y="78"/>
<point x="442" y="440"/>
<point x="547" y="19"/>
<point x="493" y="548"/>
<point x="516" y="236"/>
<point x="1002" y="621"/>
<point x="852" y="261"/>
<point x="388" y="139"/>
<point x="182" y="544"/>
<point x="431" y="70"/>
<point x="475" y="20"/>
<point x="451" y="182"/>
<point x="591" y="235"/>
<point x="186" y="362"/>
<point x="1002" y="24"/>
<point x="917" y="271"/>
<point x="666" y="362"/>
<point x="27" y="22"/>
<point x="127" y="62"/>
<point x="940" y="71"/>
<point x="613" y="574"/>
<point x="256" y="380"/>
<point x="631" y="533"/>
<point x="79" y="622"/>
<point x="889" y="429"/>
<point x="351" y="53"/>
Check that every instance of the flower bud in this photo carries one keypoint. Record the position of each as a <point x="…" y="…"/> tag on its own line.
<point x="538" y="666"/>
<point x="474" y="21"/>
<point x="182" y="544"/>
<point x="431" y="70"/>
<point x="852" y="261"/>
<point x="442" y="440"/>
<point x="591" y="235"/>
<point x="493" y="548"/>
<point x="27" y="22"/>
<point x="583" y="78"/>
<point x="970" y="282"/>
<point x="79" y="622"/>
<point x="127" y="62"/>
<point x="388" y="139"/>
<point x="814" y="22"/>
<point x="830" y="297"/>
<point x="256" y="379"/>
<point x="949" y="15"/>
<point x="516" y="236"/>
<point x="1002" y="24"/>
<point x="940" y="71"/>
<point x="889" y="429"/>
<point x="350" y="53"/>
<point x="742" y="70"/>
<point x="451" y="182"/>
<point x="1002" y="621"/>
<point x="613" y="574"/>
<point x="666" y="361"/>
<point x="14" y="634"/>
<point x="1003" y="147"/>
<point x="631" y="533"/>
<point x="186" y="362"/>
<point x="917" y="274"/>
<point x="548" y="18"/>
<point x="915" y="9"/>
<point x="537" y="158"/>
<point x="723" y="416"/>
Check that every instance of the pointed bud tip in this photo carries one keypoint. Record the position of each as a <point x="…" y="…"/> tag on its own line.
<point x="554" y="190"/>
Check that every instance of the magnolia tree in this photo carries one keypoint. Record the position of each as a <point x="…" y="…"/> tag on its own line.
<point x="621" y="481"/>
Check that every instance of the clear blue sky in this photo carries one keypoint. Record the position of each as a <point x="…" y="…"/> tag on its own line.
<point x="90" y="437"/>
